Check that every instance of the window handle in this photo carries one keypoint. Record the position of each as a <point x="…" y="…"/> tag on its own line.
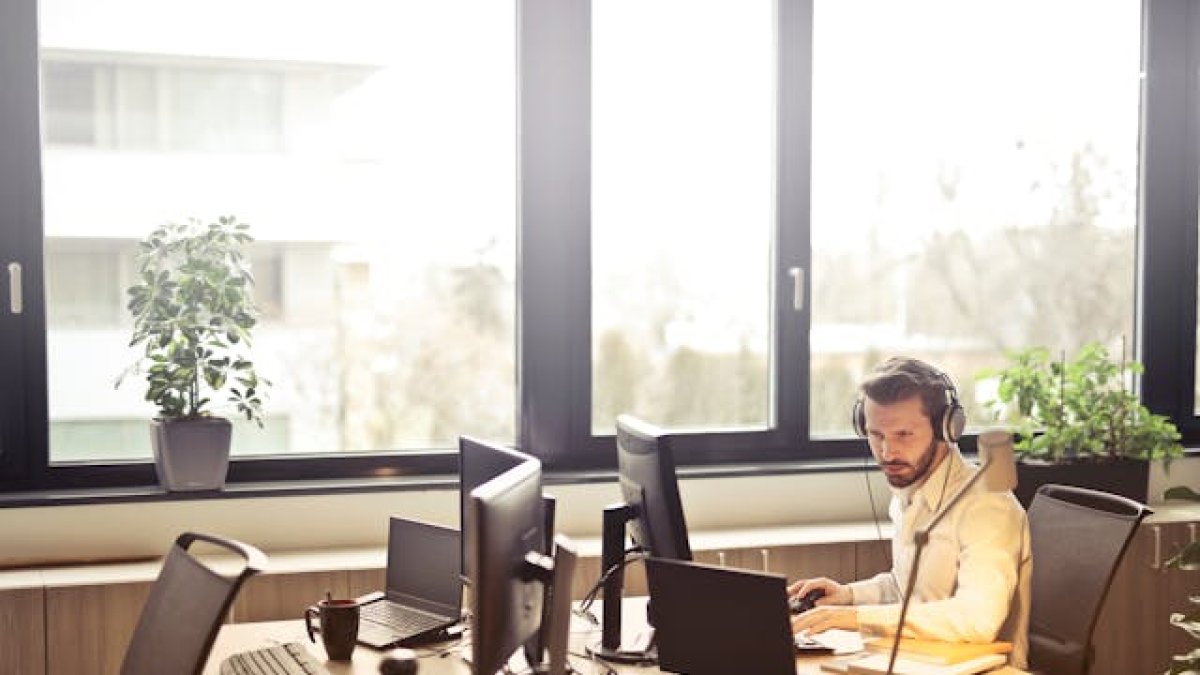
<point x="14" y="288"/>
<point x="797" y="274"/>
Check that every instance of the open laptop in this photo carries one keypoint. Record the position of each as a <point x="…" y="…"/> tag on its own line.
<point x="423" y="597"/>
<point x="715" y="620"/>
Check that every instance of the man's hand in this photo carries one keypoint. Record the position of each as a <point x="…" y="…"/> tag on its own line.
<point x="821" y="619"/>
<point x="835" y="593"/>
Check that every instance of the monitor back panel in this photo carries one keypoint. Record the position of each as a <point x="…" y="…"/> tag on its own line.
<point x="714" y="620"/>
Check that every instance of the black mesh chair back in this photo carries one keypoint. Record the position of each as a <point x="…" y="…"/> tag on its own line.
<point x="1078" y="537"/>
<point x="187" y="604"/>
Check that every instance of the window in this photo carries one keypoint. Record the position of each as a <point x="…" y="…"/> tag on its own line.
<point x="968" y="197"/>
<point x="683" y="183"/>
<point x="713" y="214"/>
<point x="381" y="198"/>
<point x="163" y="106"/>
<point x="85" y="280"/>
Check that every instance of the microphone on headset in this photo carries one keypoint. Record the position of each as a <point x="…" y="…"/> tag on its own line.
<point x="997" y="472"/>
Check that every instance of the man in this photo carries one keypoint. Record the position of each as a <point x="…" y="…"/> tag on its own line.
<point x="973" y="581"/>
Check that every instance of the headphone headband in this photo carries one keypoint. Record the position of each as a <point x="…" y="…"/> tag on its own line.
<point x="948" y="423"/>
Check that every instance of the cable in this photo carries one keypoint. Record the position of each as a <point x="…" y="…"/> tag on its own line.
<point x="891" y="568"/>
<point x="629" y="555"/>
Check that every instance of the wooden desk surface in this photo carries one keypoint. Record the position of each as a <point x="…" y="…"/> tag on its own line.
<point x="243" y="636"/>
<point x="447" y="659"/>
<point x="239" y="637"/>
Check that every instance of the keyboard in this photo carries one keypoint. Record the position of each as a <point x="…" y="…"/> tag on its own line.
<point x="404" y="621"/>
<point x="285" y="659"/>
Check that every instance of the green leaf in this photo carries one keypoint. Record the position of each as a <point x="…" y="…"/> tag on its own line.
<point x="192" y="312"/>
<point x="1187" y="559"/>
<point x="1182" y="492"/>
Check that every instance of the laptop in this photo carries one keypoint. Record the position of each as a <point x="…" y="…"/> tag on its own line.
<point x="424" y="590"/>
<point x="715" y="620"/>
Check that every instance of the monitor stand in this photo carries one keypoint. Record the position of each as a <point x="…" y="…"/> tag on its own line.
<point x="612" y="564"/>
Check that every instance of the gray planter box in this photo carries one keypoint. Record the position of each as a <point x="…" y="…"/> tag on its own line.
<point x="1126" y="477"/>
<point x="192" y="454"/>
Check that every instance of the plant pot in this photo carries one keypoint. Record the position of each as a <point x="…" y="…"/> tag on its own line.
<point x="191" y="454"/>
<point x="1126" y="477"/>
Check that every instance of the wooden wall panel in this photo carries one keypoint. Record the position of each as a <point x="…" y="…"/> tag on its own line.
<point x="806" y="561"/>
<point x="871" y="558"/>
<point x="362" y="582"/>
<point x="587" y="572"/>
<point x="271" y="597"/>
<point x="88" y="627"/>
<point x="22" y="631"/>
<point x="1133" y="633"/>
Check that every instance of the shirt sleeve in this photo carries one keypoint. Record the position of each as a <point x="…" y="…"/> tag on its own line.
<point x="879" y="589"/>
<point x="991" y="532"/>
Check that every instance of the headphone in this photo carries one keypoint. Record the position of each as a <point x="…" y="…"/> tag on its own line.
<point x="948" y="423"/>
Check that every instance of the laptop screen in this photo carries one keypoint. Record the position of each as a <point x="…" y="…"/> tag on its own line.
<point x="421" y="566"/>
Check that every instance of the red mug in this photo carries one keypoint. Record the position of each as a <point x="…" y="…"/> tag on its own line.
<point x="337" y="621"/>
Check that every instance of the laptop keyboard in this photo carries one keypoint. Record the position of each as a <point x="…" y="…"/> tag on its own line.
<point x="404" y="621"/>
<point x="286" y="659"/>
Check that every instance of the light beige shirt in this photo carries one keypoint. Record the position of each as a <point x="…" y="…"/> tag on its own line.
<point x="973" y="581"/>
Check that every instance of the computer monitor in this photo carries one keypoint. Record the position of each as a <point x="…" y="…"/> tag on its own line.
<point x="478" y="462"/>
<point x="646" y="471"/>
<point x="653" y="512"/>
<point x="505" y="541"/>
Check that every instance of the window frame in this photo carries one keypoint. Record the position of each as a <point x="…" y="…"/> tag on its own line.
<point x="553" y="261"/>
<point x="1169" y="214"/>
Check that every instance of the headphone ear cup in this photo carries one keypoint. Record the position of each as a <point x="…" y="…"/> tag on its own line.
<point x="954" y="422"/>
<point x="858" y="418"/>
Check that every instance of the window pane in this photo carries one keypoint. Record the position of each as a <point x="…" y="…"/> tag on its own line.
<point x="682" y="211"/>
<point x="70" y="101"/>
<point x="969" y="196"/>
<point x="369" y="145"/>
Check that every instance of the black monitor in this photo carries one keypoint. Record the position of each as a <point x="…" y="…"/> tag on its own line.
<point x="653" y="512"/>
<point x="478" y="462"/>
<point x="510" y="574"/>
<point x="646" y="470"/>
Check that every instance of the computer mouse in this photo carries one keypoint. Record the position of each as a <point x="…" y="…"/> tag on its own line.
<point x="399" y="661"/>
<point x="808" y="601"/>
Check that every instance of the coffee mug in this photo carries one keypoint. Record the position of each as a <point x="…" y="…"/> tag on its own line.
<point x="338" y="624"/>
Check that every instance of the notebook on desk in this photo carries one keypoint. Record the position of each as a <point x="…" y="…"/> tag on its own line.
<point x="876" y="664"/>
<point x="423" y="594"/>
<point x="715" y="620"/>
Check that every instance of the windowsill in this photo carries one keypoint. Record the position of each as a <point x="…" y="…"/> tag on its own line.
<point x="155" y="493"/>
<point x="138" y="523"/>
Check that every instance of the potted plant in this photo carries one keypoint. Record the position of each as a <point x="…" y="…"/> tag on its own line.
<point x="1077" y="422"/>
<point x="192" y="313"/>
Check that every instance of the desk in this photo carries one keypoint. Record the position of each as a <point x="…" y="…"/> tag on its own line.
<point x="236" y="637"/>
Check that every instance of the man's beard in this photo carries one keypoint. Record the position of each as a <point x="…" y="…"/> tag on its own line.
<point x="920" y="470"/>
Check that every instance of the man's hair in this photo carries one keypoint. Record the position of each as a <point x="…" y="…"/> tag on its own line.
<point x="900" y="378"/>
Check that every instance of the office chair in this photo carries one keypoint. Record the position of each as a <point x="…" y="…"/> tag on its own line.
<point x="1078" y="537"/>
<point x="187" y="604"/>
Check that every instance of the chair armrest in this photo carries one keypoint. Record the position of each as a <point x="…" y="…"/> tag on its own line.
<point x="256" y="560"/>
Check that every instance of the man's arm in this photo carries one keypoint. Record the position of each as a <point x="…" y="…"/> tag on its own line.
<point x="879" y="589"/>
<point x="991" y="535"/>
<point x="835" y="610"/>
